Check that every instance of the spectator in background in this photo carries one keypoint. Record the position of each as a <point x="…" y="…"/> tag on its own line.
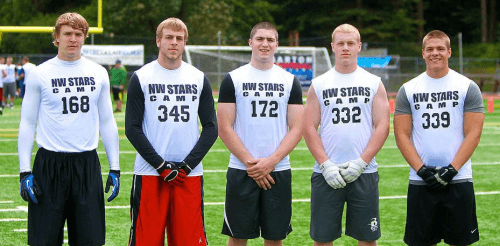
<point x="19" y="79"/>
<point x="2" y="65"/>
<point x="117" y="78"/>
<point x="23" y="74"/>
<point x="9" y="83"/>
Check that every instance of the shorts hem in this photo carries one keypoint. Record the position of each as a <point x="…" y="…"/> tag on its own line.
<point x="241" y="236"/>
<point x="364" y="239"/>
<point x="421" y="243"/>
<point x="468" y="242"/>
<point x="321" y="240"/>
<point x="275" y="238"/>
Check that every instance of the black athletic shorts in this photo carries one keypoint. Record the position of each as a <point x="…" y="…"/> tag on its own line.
<point x="448" y="215"/>
<point x="71" y="185"/>
<point x="250" y="210"/>
<point x="117" y="93"/>
<point x="362" y="213"/>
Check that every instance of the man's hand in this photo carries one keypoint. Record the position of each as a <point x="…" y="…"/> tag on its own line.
<point x="113" y="181"/>
<point x="332" y="175"/>
<point x="266" y="182"/>
<point x="182" y="167"/>
<point x="426" y="172"/>
<point x="446" y="174"/>
<point x="442" y="178"/>
<point x="260" y="168"/>
<point x="351" y="170"/>
<point x="168" y="171"/>
<point x="30" y="191"/>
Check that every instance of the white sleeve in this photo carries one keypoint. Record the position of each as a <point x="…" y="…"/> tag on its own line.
<point x="107" y="125"/>
<point x="29" y="115"/>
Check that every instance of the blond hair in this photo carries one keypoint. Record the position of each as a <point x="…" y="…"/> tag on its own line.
<point x="346" y="28"/>
<point x="174" y="24"/>
<point x="438" y="35"/>
<point x="74" y="20"/>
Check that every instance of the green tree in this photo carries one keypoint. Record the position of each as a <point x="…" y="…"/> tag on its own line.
<point x="207" y="19"/>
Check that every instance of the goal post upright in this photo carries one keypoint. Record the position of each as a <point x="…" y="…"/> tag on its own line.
<point x="48" y="29"/>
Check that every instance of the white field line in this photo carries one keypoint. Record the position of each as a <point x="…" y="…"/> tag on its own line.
<point x="12" y="220"/>
<point x="13" y="138"/>
<point x="225" y="150"/>
<point x="293" y="169"/>
<point x="24" y="208"/>
<point x="2" y="202"/>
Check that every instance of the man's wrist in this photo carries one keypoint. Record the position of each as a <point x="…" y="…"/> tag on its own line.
<point x="327" y="162"/>
<point x="23" y="175"/>
<point x="117" y="172"/>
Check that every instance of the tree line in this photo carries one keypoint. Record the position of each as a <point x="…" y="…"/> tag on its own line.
<point x="135" y="21"/>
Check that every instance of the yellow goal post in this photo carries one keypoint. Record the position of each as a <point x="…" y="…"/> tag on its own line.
<point x="49" y="29"/>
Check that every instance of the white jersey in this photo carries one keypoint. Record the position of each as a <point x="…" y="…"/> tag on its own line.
<point x="262" y="99"/>
<point x="346" y="114"/>
<point x="437" y="109"/>
<point x="69" y="102"/>
<point x="28" y="67"/>
<point x="170" y="124"/>
<point x="11" y="73"/>
<point x="2" y="67"/>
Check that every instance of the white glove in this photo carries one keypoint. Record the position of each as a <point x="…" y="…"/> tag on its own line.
<point x="332" y="175"/>
<point x="351" y="170"/>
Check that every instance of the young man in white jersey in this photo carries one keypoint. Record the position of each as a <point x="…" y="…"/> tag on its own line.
<point x="165" y="99"/>
<point x="2" y="66"/>
<point x="438" y="122"/>
<point x="9" y="82"/>
<point x="67" y="101"/>
<point x="259" y="110"/>
<point x="350" y="105"/>
<point x="25" y="71"/>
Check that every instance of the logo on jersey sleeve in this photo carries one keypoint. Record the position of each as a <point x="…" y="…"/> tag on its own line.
<point x="173" y="93"/>
<point x="435" y="100"/>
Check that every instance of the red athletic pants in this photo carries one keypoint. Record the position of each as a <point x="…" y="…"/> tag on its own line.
<point x="158" y="206"/>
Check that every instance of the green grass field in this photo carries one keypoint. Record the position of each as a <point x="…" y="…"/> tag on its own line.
<point x="393" y="172"/>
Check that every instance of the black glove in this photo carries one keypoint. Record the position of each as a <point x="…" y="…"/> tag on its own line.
<point x="425" y="172"/>
<point x="30" y="191"/>
<point x="183" y="167"/>
<point x="170" y="173"/>
<point x="442" y="177"/>
<point x="113" y="181"/>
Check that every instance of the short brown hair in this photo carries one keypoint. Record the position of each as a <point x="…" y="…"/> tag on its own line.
<point x="74" y="20"/>
<point x="174" y="24"/>
<point x="263" y="25"/>
<point x="346" y="28"/>
<point x="436" y="34"/>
